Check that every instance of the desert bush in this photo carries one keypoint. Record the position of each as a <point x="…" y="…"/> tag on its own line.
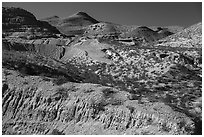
<point x="57" y="132"/>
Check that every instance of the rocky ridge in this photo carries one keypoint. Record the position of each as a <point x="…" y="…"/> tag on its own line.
<point x="17" y="22"/>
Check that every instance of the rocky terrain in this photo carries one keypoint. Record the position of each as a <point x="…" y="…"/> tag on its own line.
<point x="17" y="22"/>
<point x="99" y="78"/>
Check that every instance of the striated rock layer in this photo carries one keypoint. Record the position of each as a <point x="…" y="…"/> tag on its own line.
<point x="32" y="105"/>
<point x="17" y="22"/>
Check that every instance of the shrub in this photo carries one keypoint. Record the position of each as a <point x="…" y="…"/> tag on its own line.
<point x="57" y="132"/>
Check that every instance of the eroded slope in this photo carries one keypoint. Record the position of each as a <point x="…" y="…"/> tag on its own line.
<point x="32" y="105"/>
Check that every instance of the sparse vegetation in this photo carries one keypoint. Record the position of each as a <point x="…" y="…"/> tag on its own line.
<point x="57" y="132"/>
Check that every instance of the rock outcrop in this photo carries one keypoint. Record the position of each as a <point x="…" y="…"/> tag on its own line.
<point x="101" y="29"/>
<point x="32" y="105"/>
<point x="53" y="48"/>
<point x="24" y="24"/>
<point x="147" y="34"/>
<point x="190" y="37"/>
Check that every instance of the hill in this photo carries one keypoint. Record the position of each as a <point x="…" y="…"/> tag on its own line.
<point x="190" y="37"/>
<point x="82" y="24"/>
<point x="17" y="22"/>
<point x="72" y="25"/>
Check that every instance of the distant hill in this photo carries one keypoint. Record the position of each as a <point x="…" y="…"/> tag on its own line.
<point x="53" y="20"/>
<point x="173" y="29"/>
<point x="83" y="24"/>
<point x="190" y="37"/>
<point x="72" y="25"/>
<point x="148" y="34"/>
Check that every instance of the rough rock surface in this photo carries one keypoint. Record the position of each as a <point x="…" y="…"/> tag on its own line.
<point x="17" y="22"/>
<point x="189" y="38"/>
<point x="102" y="29"/>
<point x="32" y="105"/>
<point x="148" y="34"/>
<point x="48" y="47"/>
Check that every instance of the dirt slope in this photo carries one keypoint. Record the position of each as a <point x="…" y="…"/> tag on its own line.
<point x="32" y="105"/>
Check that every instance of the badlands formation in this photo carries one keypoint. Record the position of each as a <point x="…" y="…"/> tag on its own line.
<point x="78" y="75"/>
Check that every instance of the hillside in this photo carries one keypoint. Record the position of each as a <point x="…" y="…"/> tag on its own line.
<point x="72" y="25"/>
<point x="190" y="37"/>
<point x="17" y="22"/>
<point x="173" y="29"/>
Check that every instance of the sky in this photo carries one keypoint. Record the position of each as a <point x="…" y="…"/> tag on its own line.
<point x="127" y="13"/>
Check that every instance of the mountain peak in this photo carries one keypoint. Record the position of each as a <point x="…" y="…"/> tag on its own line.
<point x="51" y="17"/>
<point x="82" y="13"/>
<point x="55" y="16"/>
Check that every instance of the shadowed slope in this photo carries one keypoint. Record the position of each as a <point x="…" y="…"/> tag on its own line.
<point x="72" y="25"/>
